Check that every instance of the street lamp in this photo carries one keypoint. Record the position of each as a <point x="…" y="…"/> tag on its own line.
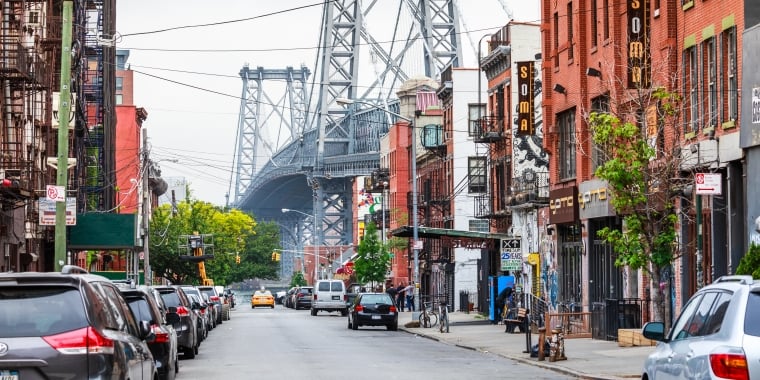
<point x="316" y="239"/>
<point x="415" y="228"/>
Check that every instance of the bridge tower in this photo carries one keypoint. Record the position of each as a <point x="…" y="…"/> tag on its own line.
<point x="254" y="134"/>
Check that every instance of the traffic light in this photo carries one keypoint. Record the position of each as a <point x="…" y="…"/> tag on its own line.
<point x="274" y="256"/>
<point x="277" y="258"/>
<point x="237" y="259"/>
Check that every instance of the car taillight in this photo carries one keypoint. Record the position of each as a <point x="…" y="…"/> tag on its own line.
<point x="83" y="341"/>
<point x="393" y="309"/>
<point x="359" y="308"/>
<point x="161" y="336"/>
<point x="182" y="311"/>
<point x="730" y="366"/>
<point x="214" y="298"/>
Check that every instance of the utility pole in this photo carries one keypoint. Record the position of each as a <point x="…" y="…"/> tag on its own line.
<point x="146" y="208"/>
<point x="64" y="111"/>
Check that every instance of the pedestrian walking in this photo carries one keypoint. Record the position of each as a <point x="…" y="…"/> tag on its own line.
<point x="409" y="290"/>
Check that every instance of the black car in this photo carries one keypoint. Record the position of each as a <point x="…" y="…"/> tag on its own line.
<point x="187" y="328"/>
<point x="163" y="346"/>
<point x="373" y="309"/>
<point x="302" y="297"/>
<point x="70" y="325"/>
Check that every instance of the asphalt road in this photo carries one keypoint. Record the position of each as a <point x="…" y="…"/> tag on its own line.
<point x="283" y="343"/>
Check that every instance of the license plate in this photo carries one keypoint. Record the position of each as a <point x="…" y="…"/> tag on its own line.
<point x="8" y="375"/>
<point x="375" y="317"/>
<point x="336" y="298"/>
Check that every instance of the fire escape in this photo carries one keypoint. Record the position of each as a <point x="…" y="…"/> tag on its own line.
<point x="30" y="47"/>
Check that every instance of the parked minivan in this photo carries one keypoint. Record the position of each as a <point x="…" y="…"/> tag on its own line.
<point x="329" y="295"/>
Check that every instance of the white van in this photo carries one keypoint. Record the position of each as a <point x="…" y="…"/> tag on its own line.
<point x="329" y="295"/>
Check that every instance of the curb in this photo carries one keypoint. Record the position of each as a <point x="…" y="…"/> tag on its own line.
<point x="562" y="370"/>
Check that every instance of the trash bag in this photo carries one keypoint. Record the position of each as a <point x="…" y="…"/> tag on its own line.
<point x="534" y="350"/>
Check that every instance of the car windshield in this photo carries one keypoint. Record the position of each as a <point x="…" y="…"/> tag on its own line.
<point x="40" y="311"/>
<point x="140" y="308"/>
<point x="207" y="291"/>
<point x="171" y="299"/>
<point x="262" y="293"/>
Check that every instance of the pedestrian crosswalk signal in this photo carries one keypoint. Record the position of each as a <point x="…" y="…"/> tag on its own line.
<point x="237" y="259"/>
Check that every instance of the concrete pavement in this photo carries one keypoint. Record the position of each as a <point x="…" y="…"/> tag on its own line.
<point x="586" y="358"/>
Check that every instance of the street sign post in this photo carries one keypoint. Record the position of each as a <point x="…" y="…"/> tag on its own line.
<point x="511" y="254"/>
<point x="708" y="183"/>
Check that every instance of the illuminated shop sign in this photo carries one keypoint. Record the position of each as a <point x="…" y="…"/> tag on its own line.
<point x="525" y="110"/>
<point x="638" y="44"/>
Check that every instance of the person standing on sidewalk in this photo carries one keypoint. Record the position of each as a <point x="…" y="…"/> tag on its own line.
<point x="409" y="290"/>
<point x="400" y="298"/>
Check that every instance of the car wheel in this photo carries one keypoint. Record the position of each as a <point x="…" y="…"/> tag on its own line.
<point x="344" y="312"/>
<point x="313" y="312"/>
<point x="393" y="327"/>
<point x="190" y="352"/>
<point x="354" y="326"/>
<point x="271" y="307"/>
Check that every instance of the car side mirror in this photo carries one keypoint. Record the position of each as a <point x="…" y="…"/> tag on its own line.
<point x="172" y="318"/>
<point x="196" y="305"/>
<point x="146" y="333"/>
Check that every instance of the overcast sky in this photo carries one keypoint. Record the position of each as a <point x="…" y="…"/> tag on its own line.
<point x="193" y="97"/>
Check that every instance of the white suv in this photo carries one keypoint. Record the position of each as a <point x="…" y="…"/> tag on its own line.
<point x="329" y="295"/>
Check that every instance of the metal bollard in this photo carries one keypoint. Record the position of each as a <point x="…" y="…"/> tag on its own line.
<point x="541" y="342"/>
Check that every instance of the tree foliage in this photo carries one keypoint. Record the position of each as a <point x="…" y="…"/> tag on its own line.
<point x="231" y="232"/>
<point x="373" y="258"/>
<point x="642" y="179"/>
<point x="750" y="263"/>
<point x="298" y="279"/>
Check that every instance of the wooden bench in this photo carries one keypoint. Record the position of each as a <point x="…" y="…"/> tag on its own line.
<point x="518" y="321"/>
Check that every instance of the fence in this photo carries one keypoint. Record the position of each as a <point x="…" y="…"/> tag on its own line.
<point x="613" y="314"/>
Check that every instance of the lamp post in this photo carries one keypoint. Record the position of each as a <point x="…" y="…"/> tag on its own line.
<point x="316" y="240"/>
<point x="415" y="227"/>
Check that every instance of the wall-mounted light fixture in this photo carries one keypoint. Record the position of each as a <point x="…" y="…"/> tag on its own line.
<point x="550" y="230"/>
<point x="592" y="72"/>
<point x="559" y="88"/>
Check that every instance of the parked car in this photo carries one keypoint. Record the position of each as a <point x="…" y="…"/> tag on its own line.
<point x="163" y="346"/>
<point x="329" y="295"/>
<point x="71" y="325"/>
<point x="287" y="301"/>
<point x="262" y="298"/>
<point x="189" y="289"/>
<point x="302" y="297"/>
<point x="187" y="330"/>
<point x="216" y="301"/>
<point x="279" y="297"/>
<point x="717" y="335"/>
<point x="373" y="309"/>
<point x="204" y="319"/>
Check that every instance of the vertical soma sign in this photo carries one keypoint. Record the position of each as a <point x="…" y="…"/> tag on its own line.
<point x="525" y="110"/>
<point x="639" y="59"/>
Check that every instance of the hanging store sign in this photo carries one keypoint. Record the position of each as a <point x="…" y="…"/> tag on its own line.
<point x="563" y="205"/>
<point x="466" y="242"/>
<point x="525" y="110"/>
<point x="639" y="59"/>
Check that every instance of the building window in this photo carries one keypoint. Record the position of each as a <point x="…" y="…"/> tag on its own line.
<point x="594" y="37"/>
<point x="119" y="83"/>
<point x="600" y="104"/>
<point x="476" y="169"/>
<point x="731" y="85"/>
<point x="479" y="225"/>
<point x="477" y="112"/>
<point x="119" y="99"/>
<point x="606" y="19"/>
<point x="570" y="31"/>
<point x="712" y="82"/>
<point x="556" y="39"/>
<point x="692" y="81"/>
<point x="566" y="124"/>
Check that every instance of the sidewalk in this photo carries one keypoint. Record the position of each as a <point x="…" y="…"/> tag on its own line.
<point x="586" y="358"/>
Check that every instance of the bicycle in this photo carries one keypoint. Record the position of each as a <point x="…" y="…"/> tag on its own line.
<point x="444" y="320"/>
<point x="428" y="317"/>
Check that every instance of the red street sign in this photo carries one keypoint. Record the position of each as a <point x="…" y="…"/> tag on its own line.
<point x="708" y="183"/>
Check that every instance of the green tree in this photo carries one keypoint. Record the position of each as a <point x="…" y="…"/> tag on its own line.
<point x="231" y="232"/>
<point x="750" y="263"/>
<point x="372" y="259"/>
<point x="643" y="182"/>
<point x="297" y="279"/>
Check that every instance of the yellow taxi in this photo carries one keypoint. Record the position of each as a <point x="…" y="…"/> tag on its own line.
<point x="262" y="298"/>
